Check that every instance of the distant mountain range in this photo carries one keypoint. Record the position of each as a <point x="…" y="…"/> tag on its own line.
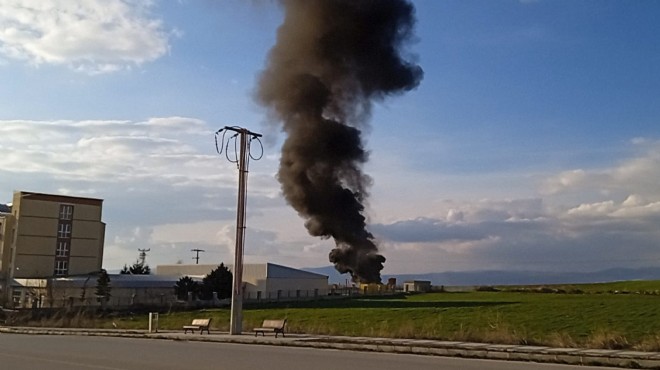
<point x="496" y="277"/>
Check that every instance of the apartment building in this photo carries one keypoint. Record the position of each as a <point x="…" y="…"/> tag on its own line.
<point x="46" y="235"/>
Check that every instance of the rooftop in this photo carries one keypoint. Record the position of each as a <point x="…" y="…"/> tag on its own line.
<point x="59" y="198"/>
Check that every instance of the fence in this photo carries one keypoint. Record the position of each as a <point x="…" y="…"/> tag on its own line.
<point x="126" y="298"/>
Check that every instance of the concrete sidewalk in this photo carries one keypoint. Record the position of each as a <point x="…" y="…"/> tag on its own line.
<point x="573" y="356"/>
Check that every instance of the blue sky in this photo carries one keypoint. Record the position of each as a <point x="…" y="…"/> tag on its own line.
<point x="532" y="142"/>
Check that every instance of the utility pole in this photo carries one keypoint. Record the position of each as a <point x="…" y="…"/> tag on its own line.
<point x="242" y="159"/>
<point x="196" y="258"/>
<point x="143" y="255"/>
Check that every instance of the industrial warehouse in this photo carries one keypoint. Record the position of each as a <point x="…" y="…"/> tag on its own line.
<point x="265" y="281"/>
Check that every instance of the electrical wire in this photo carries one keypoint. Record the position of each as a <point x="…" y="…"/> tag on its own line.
<point x="222" y="145"/>
<point x="261" y="155"/>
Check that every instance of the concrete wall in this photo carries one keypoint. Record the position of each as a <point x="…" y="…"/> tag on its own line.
<point x="83" y="265"/>
<point x="296" y="288"/>
<point x="27" y="266"/>
<point x="6" y="239"/>
<point x="55" y="293"/>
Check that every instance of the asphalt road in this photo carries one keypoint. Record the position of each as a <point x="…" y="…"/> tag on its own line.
<point x="30" y="352"/>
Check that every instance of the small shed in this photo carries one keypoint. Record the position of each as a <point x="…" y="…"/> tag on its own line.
<point x="422" y="286"/>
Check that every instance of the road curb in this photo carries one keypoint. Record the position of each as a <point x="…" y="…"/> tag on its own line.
<point x="568" y="356"/>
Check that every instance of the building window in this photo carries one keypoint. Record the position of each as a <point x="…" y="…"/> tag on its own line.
<point x="66" y="212"/>
<point x="62" y="249"/>
<point x="64" y="231"/>
<point x="17" y="297"/>
<point x="61" y="268"/>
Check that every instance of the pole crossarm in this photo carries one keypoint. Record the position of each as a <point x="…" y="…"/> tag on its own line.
<point x="197" y="251"/>
<point x="240" y="130"/>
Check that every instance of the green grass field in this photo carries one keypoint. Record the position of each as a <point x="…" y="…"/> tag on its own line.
<point x="596" y="318"/>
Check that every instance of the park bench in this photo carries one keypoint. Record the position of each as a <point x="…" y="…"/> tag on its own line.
<point x="274" y="326"/>
<point x="201" y="324"/>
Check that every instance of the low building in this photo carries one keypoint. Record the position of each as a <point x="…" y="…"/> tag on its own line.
<point x="79" y="291"/>
<point x="265" y="281"/>
<point x="375" y="288"/>
<point x="417" y="286"/>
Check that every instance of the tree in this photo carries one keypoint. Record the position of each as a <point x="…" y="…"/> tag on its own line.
<point x="218" y="280"/>
<point x="103" y="286"/>
<point x="138" y="268"/>
<point x="184" y="286"/>
<point x="83" y="289"/>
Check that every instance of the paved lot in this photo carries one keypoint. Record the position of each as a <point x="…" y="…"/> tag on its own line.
<point x="73" y="352"/>
<point x="573" y="356"/>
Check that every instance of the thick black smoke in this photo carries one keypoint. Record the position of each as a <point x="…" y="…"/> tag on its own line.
<point x="332" y="59"/>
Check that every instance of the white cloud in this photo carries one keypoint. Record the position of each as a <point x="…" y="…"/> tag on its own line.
<point x="638" y="175"/>
<point x="587" y="237"/>
<point x="91" y="36"/>
<point x="168" y="152"/>
<point x="585" y="220"/>
<point x="564" y="180"/>
<point x="638" y="211"/>
<point x="593" y="209"/>
<point x="634" y="200"/>
<point x="185" y="124"/>
<point x="455" y="216"/>
<point x="111" y="151"/>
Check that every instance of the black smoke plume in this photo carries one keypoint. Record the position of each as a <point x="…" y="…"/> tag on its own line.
<point x="332" y="60"/>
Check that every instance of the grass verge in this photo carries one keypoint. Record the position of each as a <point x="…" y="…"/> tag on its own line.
<point x="598" y="317"/>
